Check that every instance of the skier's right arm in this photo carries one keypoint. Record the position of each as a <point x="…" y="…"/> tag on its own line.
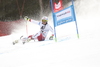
<point x="31" y="20"/>
<point x="34" y="21"/>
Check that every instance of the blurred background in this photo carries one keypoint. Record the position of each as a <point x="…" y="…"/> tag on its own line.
<point x="13" y="11"/>
<point x="16" y="9"/>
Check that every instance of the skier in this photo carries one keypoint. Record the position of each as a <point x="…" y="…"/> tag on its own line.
<point x="44" y="29"/>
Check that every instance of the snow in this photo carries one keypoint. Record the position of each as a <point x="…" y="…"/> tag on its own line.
<point x="67" y="52"/>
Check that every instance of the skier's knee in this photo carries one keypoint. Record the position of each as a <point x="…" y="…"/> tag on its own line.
<point x="30" y="36"/>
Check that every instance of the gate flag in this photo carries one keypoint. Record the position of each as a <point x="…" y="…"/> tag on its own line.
<point x="63" y="16"/>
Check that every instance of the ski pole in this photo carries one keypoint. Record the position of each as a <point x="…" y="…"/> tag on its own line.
<point x="26" y="29"/>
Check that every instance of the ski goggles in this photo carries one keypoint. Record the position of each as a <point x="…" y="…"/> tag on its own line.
<point x="44" y="20"/>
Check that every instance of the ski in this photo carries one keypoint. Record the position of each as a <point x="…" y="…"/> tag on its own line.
<point x="17" y="40"/>
<point x="22" y="40"/>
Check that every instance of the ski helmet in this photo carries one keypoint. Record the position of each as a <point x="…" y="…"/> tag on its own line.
<point x="45" y="19"/>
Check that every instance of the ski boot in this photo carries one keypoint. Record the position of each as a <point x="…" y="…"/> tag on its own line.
<point x="16" y="41"/>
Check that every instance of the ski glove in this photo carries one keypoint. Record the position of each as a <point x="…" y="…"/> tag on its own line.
<point x="26" y="18"/>
<point x="51" y="37"/>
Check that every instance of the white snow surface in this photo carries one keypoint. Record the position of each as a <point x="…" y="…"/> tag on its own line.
<point x="67" y="52"/>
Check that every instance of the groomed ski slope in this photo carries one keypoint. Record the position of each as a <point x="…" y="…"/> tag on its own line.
<point x="72" y="52"/>
<point x="68" y="53"/>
